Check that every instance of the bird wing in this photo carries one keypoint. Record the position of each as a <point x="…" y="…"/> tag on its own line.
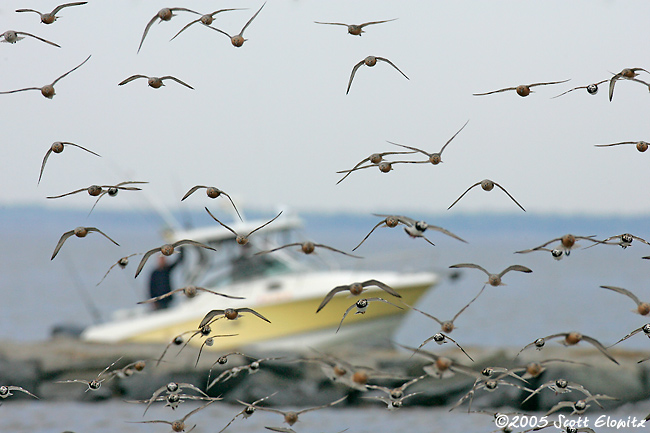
<point x="144" y="259"/>
<point x="428" y="315"/>
<point x="191" y="242"/>
<point x="368" y="235"/>
<point x="468" y="304"/>
<point x="250" y="310"/>
<point x="146" y="30"/>
<point x="346" y="315"/>
<point x="375" y="22"/>
<point x="471" y="266"/>
<point x="47" y="155"/>
<point x="337" y="251"/>
<point x="94" y="229"/>
<point x="192" y="191"/>
<point x="28" y="10"/>
<point x="457" y="345"/>
<point x="71" y="70"/>
<point x="265" y="224"/>
<point x="328" y="297"/>
<point x="494" y="91"/>
<point x="158" y="298"/>
<point x="461" y="196"/>
<point x="65" y="236"/>
<point x="354" y="71"/>
<point x="202" y="289"/>
<point x="382" y="286"/>
<point x="623" y="291"/>
<point x="550" y="82"/>
<point x="515" y="268"/>
<point x="317" y="22"/>
<point x="453" y="136"/>
<point x="323" y="406"/>
<point x="39" y="38"/>
<point x="295" y="244"/>
<point x="251" y="20"/>
<point x="59" y="7"/>
<point x="169" y="77"/>
<point x="409" y="147"/>
<point x="614" y="144"/>
<point x="18" y="388"/>
<point x="392" y="64"/>
<point x="89" y="151"/>
<point x="208" y="317"/>
<point x="447" y="232"/>
<point x="612" y="82"/>
<point x="214" y="218"/>
<point x="68" y="193"/>
<point x="511" y="197"/>
<point x="131" y="78"/>
<point x="599" y="346"/>
<point x="185" y="28"/>
<point x="233" y="204"/>
<point x="353" y="169"/>
<point x="20" y="90"/>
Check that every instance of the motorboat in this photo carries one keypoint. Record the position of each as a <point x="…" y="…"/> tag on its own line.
<point x="285" y="286"/>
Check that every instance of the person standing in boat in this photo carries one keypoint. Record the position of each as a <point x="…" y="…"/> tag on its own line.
<point x="160" y="281"/>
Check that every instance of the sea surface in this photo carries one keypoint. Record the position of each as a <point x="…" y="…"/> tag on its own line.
<point x="559" y="296"/>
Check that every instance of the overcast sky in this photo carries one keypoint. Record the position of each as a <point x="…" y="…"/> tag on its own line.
<point x="270" y="122"/>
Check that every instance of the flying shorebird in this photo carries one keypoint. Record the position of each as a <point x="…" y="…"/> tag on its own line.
<point x="248" y="410"/>
<point x="646" y="331"/>
<point x="49" y="18"/>
<point x="383" y="166"/>
<point x="172" y="388"/>
<point x="561" y="386"/>
<point x="122" y="263"/>
<point x="252" y="368"/>
<point x="230" y="314"/>
<point x="522" y="89"/>
<point x="212" y="192"/>
<point x="190" y="292"/>
<point x="624" y="240"/>
<point x="641" y="146"/>
<point x="238" y="40"/>
<point x="48" y="89"/>
<point x="627" y="73"/>
<point x="642" y="308"/>
<point x="567" y="243"/>
<point x="307" y="248"/>
<point x="155" y="82"/>
<point x="436" y="157"/>
<point x="371" y="61"/>
<point x="96" y="383"/>
<point x="99" y="190"/>
<point x="361" y="305"/>
<point x="206" y="20"/>
<point x="112" y="190"/>
<point x="442" y="366"/>
<point x="13" y="36"/>
<point x="356" y="289"/>
<point x="592" y="89"/>
<point x="494" y="279"/>
<point x="489" y="385"/>
<point x="79" y="232"/>
<point x="487" y="185"/>
<point x="396" y="394"/>
<point x="178" y="425"/>
<point x="57" y="147"/>
<point x="168" y="250"/>
<point x="373" y="159"/>
<point x="291" y="417"/>
<point x="441" y="339"/>
<point x="534" y="368"/>
<point x="448" y="325"/>
<point x="164" y="14"/>
<point x="243" y="239"/>
<point x="570" y="339"/>
<point x="356" y="29"/>
<point x="580" y="406"/>
<point x="416" y="229"/>
<point x="5" y="391"/>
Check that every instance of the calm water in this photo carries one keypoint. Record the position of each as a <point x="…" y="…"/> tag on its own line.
<point x="556" y="297"/>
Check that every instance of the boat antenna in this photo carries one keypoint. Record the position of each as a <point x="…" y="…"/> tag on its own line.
<point x="81" y="291"/>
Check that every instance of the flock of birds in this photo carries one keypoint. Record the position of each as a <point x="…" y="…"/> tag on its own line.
<point x="358" y="378"/>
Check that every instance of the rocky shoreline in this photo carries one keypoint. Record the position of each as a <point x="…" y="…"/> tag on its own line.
<point x="37" y="366"/>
